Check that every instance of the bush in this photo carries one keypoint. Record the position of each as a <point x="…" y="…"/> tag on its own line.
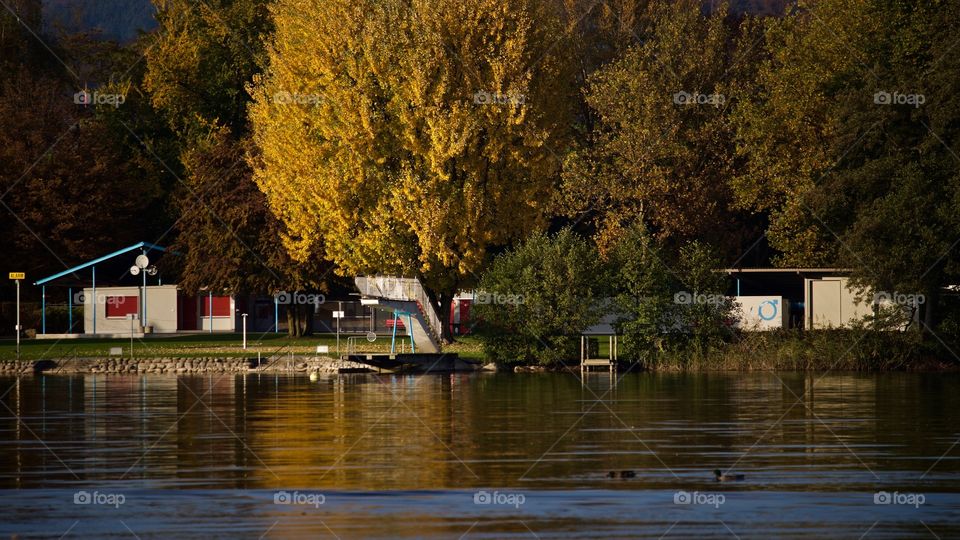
<point x="677" y="309"/>
<point x="534" y="301"/>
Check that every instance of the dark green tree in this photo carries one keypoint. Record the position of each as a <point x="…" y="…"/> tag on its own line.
<point x="535" y="300"/>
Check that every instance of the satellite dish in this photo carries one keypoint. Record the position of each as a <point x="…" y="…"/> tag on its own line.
<point x="134" y="270"/>
<point x="142" y="261"/>
<point x="151" y="270"/>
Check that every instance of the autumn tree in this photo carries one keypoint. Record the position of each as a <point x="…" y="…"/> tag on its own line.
<point x="203" y="58"/>
<point x="17" y="46"/>
<point x="65" y="161"/>
<point x="410" y="136"/>
<point x="662" y="152"/>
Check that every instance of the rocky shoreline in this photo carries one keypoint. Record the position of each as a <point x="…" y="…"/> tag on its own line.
<point x="175" y="365"/>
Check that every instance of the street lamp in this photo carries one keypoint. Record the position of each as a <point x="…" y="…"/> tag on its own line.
<point x="244" y="315"/>
<point x="142" y="265"/>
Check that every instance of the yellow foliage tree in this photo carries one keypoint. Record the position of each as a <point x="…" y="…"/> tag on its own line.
<point x="409" y="136"/>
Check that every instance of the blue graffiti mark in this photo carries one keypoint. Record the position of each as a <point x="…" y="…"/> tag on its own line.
<point x="774" y="304"/>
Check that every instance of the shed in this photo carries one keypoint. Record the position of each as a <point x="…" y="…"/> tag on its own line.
<point x="590" y="355"/>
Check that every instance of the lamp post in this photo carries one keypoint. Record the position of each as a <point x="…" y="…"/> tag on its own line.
<point x="132" y="317"/>
<point x="244" y="331"/>
<point x="17" y="276"/>
<point x="142" y="266"/>
<point x="18" y="320"/>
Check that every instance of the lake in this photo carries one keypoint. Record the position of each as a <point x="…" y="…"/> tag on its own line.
<point x="481" y="455"/>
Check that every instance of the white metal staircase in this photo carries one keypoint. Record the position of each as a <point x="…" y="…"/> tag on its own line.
<point x="406" y="295"/>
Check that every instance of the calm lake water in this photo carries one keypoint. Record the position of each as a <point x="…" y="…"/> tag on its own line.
<point x="480" y="456"/>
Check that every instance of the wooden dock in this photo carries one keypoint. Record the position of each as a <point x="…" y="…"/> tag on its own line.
<point x="412" y="362"/>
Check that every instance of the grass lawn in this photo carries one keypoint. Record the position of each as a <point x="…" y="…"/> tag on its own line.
<point x="218" y="345"/>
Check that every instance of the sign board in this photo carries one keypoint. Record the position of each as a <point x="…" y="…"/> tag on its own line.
<point x="323" y="349"/>
<point x="116" y="351"/>
<point x="18" y="275"/>
<point x="338" y="315"/>
<point x="762" y="312"/>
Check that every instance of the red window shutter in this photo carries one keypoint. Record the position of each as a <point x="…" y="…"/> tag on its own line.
<point x="221" y="306"/>
<point x="121" y="306"/>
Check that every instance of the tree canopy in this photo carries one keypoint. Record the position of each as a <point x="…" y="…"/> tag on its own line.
<point x="411" y="136"/>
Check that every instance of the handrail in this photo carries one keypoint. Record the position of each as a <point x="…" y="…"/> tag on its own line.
<point x="402" y="289"/>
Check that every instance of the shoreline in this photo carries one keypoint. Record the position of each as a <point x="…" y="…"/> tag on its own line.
<point x="327" y="365"/>
<point x="182" y="365"/>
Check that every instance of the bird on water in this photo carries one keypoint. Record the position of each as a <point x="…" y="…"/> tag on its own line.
<point x="727" y="477"/>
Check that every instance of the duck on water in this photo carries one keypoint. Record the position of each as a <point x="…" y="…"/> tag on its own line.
<point x="727" y="477"/>
<point x="719" y="475"/>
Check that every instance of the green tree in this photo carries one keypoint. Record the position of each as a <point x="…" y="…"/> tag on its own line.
<point x="662" y="152"/>
<point x="851" y="143"/>
<point x="672" y="304"/>
<point x="534" y="301"/>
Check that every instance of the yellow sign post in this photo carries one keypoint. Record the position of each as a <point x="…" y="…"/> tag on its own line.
<point x="17" y="276"/>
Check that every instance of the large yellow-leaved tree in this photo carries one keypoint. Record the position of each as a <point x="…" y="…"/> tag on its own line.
<point x="410" y="136"/>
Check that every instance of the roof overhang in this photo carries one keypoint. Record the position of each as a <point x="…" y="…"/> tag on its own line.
<point x="146" y="246"/>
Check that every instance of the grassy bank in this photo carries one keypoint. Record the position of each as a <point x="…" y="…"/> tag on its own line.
<point x="842" y="350"/>
<point x="791" y="350"/>
<point x="205" y="345"/>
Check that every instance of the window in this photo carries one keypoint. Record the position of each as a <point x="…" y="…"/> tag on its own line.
<point x="118" y="307"/>
<point x="221" y="306"/>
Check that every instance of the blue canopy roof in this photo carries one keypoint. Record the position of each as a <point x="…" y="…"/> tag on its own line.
<point x="140" y="245"/>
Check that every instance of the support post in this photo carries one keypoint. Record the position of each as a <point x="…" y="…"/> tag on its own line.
<point x="413" y="348"/>
<point x="581" y="355"/>
<point x="244" y="331"/>
<point x="143" y="304"/>
<point x="43" y="310"/>
<point x="69" y="310"/>
<point x="276" y="314"/>
<point x="18" y="330"/>
<point x="393" y="336"/>
<point x="93" y="300"/>
<point x="210" y="309"/>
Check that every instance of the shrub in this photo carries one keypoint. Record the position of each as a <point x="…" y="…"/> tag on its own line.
<point x="675" y="309"/>
<point x="535" y="300"/>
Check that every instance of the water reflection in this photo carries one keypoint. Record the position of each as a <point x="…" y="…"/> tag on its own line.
<point x="411" y="439"/>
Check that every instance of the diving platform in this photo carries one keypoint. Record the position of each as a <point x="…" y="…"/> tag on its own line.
<point x="412" y="362"/>
<point x="408" y="301"/>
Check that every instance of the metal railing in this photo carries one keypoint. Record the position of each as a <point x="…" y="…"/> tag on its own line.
<point x="404" y="290"/>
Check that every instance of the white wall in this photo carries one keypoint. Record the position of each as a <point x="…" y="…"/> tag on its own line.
<point x="220" y="324"/>
<point x="762" y="312"/>
<point x="161" y="302"/>
<point x="830" y="303"/>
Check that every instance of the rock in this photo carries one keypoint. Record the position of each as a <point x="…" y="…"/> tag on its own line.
<point x="530" y="369"/>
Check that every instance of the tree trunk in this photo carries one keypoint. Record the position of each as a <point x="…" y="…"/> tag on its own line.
<point x="441" y="302"/>
<point x="293" y="321"/>
<point x="308" y="321"/>
<point x="446" y="302"/>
